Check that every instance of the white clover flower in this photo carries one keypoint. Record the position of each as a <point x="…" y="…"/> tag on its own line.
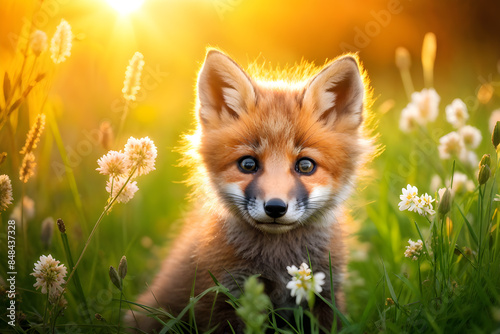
<point x="141" y="153"/>
<point x="461" y="183"/>
<point x="414" y="250"/>
<point x="469" y="158"/>
<point x="304" y="283"/>
<point x="427" y="102"/>
<point x="450" y="145"/>
<point x="28" y="208"/>
<point x="471" y="136"/>
<point x="408" y="198"/>
<point x="456" y="113"/>
<point x="409" y="118"/>
<point x="132" y="82"/>
<point x="113" y="164"/>
<point x="60" y="45"/>
<point x="5" y="192"/>
<point x="127" y="193"/>
<point x="49" y="276"/>
<point x="38" y="42"/>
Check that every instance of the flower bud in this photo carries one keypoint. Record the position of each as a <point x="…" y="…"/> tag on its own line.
<point x="115" y="279"/>
<point x="484" y="174"/>
<point x="403" y="60"/>
<point x="61" y="226"/>
<point x="485" y="160"/>
<point x="47" y="232"/>
<point x="122" y="267"/>
<point x="495" y="137"/>
<point x="445" y="202"/>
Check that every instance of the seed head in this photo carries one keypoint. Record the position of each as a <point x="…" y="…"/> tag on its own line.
<point x="60" y="45"/>
<point x="122" y="267"/>
<point x="115" y="279"/>
<point x="5" y="192"/>
<point x="27" y="167"/>
<point x="132" y="82"/>
<point x="33" y="136"/>
<point x="38" y="42"/>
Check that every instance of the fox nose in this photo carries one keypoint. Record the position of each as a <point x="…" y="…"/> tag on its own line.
<point x="275" y="208"/>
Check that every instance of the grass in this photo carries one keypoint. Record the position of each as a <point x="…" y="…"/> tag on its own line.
<point x="453" y="286"/>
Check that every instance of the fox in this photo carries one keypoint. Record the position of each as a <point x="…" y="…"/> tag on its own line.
<point x="273" y="162"/>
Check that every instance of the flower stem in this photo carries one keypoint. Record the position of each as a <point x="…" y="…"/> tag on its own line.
<point x="106" y="209"/>
<point x="79" y="288"/>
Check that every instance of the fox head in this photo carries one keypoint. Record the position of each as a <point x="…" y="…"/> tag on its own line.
<point x="280" y="155"/>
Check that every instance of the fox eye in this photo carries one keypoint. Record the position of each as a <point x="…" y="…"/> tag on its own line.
<point x="305" y="166"/>
<point x="248" y="165"/>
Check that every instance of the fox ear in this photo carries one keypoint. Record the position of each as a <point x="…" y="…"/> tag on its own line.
<point x="336" y="93"/>
<point x="224" y="89"/>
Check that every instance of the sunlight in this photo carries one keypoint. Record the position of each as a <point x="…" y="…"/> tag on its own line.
<point x="125" y="6"/>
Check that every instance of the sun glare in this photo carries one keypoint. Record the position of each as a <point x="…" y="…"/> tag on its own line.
<point x="125" y="6"/>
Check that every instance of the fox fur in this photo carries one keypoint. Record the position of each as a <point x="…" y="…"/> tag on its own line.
<point x="233" y="233"/>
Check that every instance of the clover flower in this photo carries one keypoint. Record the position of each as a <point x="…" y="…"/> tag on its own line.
<point x="132" y="82"/>
<point x="38" y="42"/>
<point x="49" y="276"/>
<point x="414" y="250"/>
<point x="456" y="113"/>
<point x="462" y="183"/>
<point x="450" y="145"/>
<point x="113" y="164"/>
<point x="60" y="45"/>
<point x="141" y="153"/>
<point x="5" y="192"/>
<point x="304" y="284"/>
<point x="427" y="102"/>
<point x="127" y="193"/>
<point x="409" y="118"/>
<point x="471" y="136"/>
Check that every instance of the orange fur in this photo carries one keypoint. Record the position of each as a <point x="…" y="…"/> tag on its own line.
<point x="314" y="113"/>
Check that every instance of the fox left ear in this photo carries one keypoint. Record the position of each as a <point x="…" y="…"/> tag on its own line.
<point x="336" y="93"/>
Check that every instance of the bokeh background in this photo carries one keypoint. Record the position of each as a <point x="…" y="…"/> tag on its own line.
<point x="173" y="36"/>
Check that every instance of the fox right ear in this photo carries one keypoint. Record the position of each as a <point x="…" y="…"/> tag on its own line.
<point x="225" y="91"/>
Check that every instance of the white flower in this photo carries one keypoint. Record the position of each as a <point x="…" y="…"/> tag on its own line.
<point x="435" y="183"/>
<point x="132" y="82"/>
<point x="456" y="113"/>
<point x="427" y="102"/>
<point x="49" y="276"/>
<point x="304" y="284"/>
<point x="38" y="42"/>
<point x="450" y="145"/>
<point x="141" y="153"/>
<point x="408" y="198"/>
<point x="414" y="250"/>
<point x="409" y="118"/>
<point x="461" y="183"/>
<point x="469" y="158"/>
<point x="5" y="192"/>
<point x="427" y="204"/>
<point x="127" y="193"/>
<point x="113" y="164"/>
<point x="28" y="208"/>
<point x="412" y="202"/>
<point x="471" y="136"/>
<point x="60" y="45"/>
<point x="494" y="118"/>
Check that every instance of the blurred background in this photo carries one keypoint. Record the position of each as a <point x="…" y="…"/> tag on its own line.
<point x="173" y="36"/>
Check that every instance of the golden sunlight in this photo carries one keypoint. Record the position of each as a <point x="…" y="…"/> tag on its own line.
<point x="125" y="6"/>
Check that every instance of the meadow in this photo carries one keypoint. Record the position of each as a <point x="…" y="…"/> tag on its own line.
<point x="424" y="247"/>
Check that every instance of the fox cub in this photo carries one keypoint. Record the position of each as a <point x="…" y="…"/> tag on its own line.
<point x="273" y="161"/>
